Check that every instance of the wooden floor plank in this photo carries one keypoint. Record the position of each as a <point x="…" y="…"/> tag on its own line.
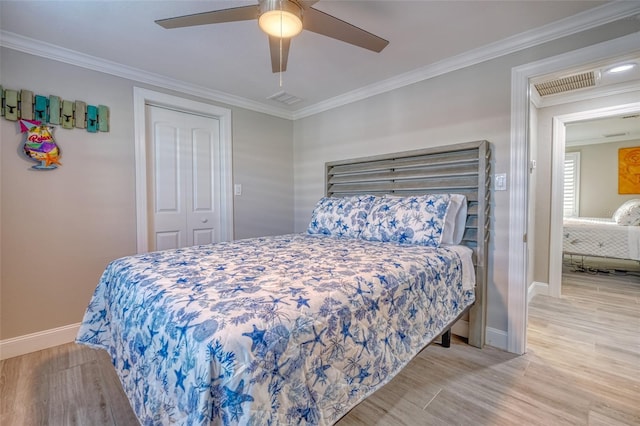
<point x="582" y="368"/>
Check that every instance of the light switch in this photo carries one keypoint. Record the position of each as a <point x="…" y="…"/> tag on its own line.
<point x="500" y="183"/>
<point x="237" y="189"/>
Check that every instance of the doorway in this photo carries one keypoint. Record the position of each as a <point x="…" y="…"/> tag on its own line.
<point x="557" y="193"/>
<point x="519" y="169"/>
<point x="182" y="166"/>
<point x="222" y="229"/>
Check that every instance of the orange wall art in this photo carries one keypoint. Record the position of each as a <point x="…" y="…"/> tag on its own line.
<point x="629" y="170"/>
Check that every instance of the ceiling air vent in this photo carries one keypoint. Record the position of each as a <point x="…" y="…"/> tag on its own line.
<point x="566" y="84"/>
<point x="285" y="98"/>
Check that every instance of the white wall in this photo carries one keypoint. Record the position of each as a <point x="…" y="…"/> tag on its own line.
<point x="60" y="228"/>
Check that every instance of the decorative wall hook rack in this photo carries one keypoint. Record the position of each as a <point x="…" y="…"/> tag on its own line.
<point x="17" y="104"/>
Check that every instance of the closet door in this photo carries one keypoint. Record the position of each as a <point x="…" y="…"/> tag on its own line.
<point x="184" y="162"/>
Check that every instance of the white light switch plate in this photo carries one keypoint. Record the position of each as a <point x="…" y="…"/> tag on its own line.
<point x="237" y="189"/>
<point x="500" y="182"/>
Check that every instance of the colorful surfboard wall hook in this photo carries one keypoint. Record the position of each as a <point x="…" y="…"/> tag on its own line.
<point x="23" y="104"/>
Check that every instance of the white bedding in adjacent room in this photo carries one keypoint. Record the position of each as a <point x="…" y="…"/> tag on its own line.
<point x="601" y="237"/>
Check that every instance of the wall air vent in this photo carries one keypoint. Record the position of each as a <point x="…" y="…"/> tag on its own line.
<point x="615" y="135"/>
<point x="566" y="84"/>
<point x="285" y="98"/>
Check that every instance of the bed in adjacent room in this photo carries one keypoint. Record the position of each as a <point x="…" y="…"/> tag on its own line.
<point x="617" y="237"/>
<point x="298" y="329"/>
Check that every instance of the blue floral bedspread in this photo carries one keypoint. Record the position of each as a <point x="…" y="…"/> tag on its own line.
<point x="294" y="329"/>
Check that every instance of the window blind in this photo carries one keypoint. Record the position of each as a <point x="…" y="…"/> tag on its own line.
<point x="571" y="184"/>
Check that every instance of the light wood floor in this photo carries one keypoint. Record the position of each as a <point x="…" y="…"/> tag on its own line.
<point x="582" y="368"/>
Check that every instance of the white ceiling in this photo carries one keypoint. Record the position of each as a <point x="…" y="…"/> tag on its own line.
<point x="234" y="57"/>
<point x="231" y="61"/>
<point x="604" y="130"/>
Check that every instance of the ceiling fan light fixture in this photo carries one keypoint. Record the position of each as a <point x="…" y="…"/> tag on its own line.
<point x="280" y="18"/>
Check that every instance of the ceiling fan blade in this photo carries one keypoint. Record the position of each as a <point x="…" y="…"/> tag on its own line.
<point x="330" y="26"/>
<point x="274" y="47"/>
<point x="243" y="13"/>
<point x="307" y="3"/>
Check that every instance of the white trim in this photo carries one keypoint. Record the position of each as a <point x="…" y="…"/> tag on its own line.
<point x="51" y="51"/>
<point x="518" y="198"/>
<point x="140" y="98"/>
<point x="557" y="163"/>
<point x="558" y="132"/>
<point x="496" y="338"/>
<point x="33" y="342"/>
<point x="537" y="288"/>
<point x="580" y="22"/>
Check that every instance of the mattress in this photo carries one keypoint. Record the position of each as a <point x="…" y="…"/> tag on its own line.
<point x="600" y="237"/>
<point x="292" y="329"/>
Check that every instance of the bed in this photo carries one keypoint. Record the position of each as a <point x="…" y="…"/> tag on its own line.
<point x="298" y="329"/>
<point x="617" y="237"/>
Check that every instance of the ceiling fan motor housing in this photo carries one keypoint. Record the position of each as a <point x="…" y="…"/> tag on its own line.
<point x="281" y="18"/>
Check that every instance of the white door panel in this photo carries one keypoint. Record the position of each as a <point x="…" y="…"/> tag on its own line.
<point x="168" y="219"/>
<point x="167" y="240"/>
<point x="201" y="217"/>
<point x="183" y="193"/>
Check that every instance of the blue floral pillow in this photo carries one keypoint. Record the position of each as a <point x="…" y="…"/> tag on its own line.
<point x="408" y="220"/>
<point x="341" y="217"/>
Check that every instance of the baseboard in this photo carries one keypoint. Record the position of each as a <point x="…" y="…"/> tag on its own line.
<point x="496" y="338"/>
<point x="537" y="288"/>
<point x="33" y="342"/>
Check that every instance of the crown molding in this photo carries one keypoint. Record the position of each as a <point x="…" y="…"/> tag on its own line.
<point x="574" y="24"/>
<point x="50" y="51"/>
<point x="580" y="22"/>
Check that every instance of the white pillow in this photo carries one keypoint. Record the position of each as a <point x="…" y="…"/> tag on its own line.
<point x="455" y="220"/>
<point x="628" y="213"/>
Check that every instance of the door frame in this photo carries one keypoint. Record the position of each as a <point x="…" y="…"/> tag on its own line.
<point x="558" y="143"/>
<point x="519" y="169"/>
<point x="142" y="97"/>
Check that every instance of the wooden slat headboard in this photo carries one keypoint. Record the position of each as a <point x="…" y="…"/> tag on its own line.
<point x="460" y="169"/>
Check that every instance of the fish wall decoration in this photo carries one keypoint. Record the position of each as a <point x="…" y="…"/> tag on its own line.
<point x="39" y="144"/>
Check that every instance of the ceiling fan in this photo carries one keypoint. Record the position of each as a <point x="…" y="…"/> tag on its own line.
<point x="282" y="20"/>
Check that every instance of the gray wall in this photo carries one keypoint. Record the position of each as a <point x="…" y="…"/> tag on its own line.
<point x="60" y="228"/>
<point x="469" y="104"/>
<point x="599" y="178"/>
